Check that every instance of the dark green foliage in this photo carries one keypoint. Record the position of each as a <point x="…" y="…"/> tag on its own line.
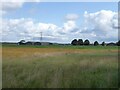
<point x="74" y="42"/>
<point x="96" y="43"/>
<point x="22" y="42"/>
<point x="111" y="44"/>
<point x="118" y="43"/>
<point x="103" y="44"/>
<point x="80" y="42"/>
<point x="86" y="42"/>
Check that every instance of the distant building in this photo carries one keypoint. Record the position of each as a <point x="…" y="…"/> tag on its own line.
<point x="22" y="42"/>
<point x="45" y="43"/>
<point x="37" y="43"/>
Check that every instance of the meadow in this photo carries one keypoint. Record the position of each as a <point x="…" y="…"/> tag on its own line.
<point x="59" y="66"/>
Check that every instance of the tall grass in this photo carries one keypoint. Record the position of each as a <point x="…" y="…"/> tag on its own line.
<point x="66" y="70"/>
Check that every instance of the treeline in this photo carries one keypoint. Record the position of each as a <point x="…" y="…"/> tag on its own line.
<point x="96" y="43"/>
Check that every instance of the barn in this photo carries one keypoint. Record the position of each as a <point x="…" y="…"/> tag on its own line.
<point x="45" y="43"/>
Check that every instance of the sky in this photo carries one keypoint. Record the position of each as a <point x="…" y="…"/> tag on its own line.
<point x="59" y="22"/>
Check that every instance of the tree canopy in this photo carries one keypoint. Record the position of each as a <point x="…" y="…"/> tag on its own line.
<point x="96" y="43"/>
<point x="86" y="42"/>
<point x="74" y="42"/>
<point x="80" y="42"/>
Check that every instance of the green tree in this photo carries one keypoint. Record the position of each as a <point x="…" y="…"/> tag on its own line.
<point x="74" y="42"/>
<point x="103" y="44"/>
<point x="118" y="43"/>
<point x="80" y="42"/>
<point x="96" y="43"/>
<point x="86" y="42"/>
<point x="22" y="42"/>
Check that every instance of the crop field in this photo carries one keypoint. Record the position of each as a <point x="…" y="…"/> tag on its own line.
<point x="59" y="66"/>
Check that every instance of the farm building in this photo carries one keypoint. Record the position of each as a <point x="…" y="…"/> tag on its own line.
<point x="37" y="43"/>
<point x="22" y="42"/>
<point x="45" y="43"/>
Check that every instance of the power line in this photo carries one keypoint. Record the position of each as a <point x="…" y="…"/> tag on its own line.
<point x="40" y="36"/>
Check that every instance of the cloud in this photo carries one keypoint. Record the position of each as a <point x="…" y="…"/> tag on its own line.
<point x="20" y="0"/>
<point x="26" y="28"/>
<point x="72" y="17"/>
<point x="102" y="24"/>
<point x="11" y="5"/>
<point x="69" y="27"/>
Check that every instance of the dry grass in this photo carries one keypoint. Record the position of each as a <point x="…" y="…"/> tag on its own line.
<point x="59" y="67"/>
<point x="43" y="52"/>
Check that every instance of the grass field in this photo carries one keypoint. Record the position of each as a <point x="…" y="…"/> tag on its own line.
<point x="59" y="66"/>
